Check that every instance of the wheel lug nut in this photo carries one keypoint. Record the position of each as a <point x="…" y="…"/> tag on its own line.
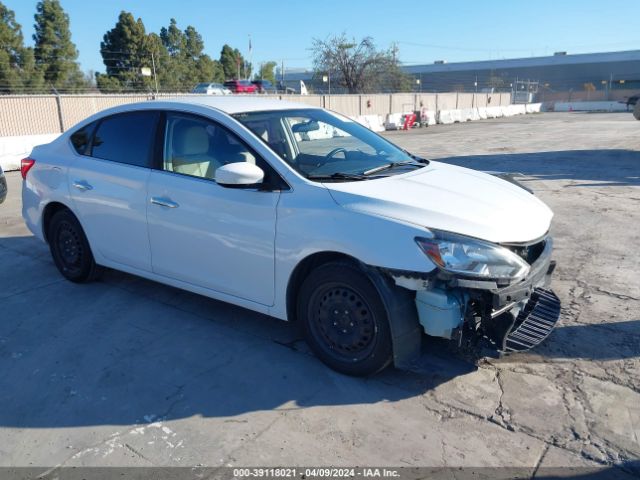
<point x="344" y="331"/>
<point x="335" y="311"/>
<point x="351" y="324"/>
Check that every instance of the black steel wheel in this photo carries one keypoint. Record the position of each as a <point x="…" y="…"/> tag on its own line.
<point x="344" y="319"/>
<point x="70" y="249"/>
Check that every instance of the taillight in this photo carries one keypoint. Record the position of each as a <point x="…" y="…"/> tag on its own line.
<point x="25" y="166"/>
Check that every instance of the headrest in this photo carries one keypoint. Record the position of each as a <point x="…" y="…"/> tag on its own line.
<point x="192" y="140"/>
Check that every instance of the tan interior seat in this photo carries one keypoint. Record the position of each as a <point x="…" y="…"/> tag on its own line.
<point x="191" y="152"/>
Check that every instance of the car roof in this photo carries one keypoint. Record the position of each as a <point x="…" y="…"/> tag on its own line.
<point x="245" y="103"/>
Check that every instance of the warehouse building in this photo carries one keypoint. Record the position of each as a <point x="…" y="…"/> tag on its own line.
<point x="610" y="75"/>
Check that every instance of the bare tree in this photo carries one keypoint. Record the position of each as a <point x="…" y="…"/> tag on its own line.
<point x="357" y="66"/>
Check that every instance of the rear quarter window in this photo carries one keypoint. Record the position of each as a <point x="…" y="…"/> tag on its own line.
<point x="126" y="138"/>
<point x="80" y="139"/>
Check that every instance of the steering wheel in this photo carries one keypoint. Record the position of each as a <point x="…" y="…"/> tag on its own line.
<point x="335" y="151"/>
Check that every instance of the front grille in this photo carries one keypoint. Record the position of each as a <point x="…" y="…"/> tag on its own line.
<point x="529" y="253"/>
<point x="534" y="322"/>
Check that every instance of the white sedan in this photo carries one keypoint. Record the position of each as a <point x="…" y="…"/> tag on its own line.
<point x="302" y="214"/>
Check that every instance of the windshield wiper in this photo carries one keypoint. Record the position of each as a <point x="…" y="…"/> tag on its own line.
<point x="391" y="165"/>
<point x="338" y="176"/>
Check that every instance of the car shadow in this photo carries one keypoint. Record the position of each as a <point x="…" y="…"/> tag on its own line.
<point x="583" y="168"/>
<point x="125" y="350"/>
<point x="597" y="341"/>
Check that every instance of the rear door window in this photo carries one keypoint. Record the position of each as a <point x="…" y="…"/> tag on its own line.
<point x="126" y="138"/>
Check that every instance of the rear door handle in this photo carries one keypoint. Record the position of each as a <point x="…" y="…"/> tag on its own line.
<point x="164" y="202"/>
<point x="82" y="185"/>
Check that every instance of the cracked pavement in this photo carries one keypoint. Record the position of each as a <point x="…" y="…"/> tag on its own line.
<point x="127" y="372"/>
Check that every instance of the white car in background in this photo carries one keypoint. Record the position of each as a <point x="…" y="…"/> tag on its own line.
<point x="211" y="89"/>
<point x="302" y="214"/>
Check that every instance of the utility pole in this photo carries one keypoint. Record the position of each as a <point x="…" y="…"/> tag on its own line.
<point x="250" y="55"/>
<point x="282" y="84"/>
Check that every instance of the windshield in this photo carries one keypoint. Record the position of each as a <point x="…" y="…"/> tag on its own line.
<point x="325" y="145"/>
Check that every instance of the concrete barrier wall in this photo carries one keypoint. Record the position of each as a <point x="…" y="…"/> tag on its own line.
<point x="428" y="100"/>
<point x="379" y="104"/>
<point x="465" y="100"/>
<point x="29" y="115"/>
<point x="447" y="101"/>
<point x="313" y="100"/>
<point x="403" y="102"/>
<point x="590" y="107"/>
<point x="480" y="100"/>
<point x="346" y="104"/>
<point x="36" y="114"/>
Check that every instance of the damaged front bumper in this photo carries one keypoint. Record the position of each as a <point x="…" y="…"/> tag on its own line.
<point x="498" y="319"/>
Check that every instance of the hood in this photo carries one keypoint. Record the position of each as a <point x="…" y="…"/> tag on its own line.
<point x="450" y="198"/>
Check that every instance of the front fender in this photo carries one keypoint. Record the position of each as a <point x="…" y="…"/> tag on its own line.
<point x="310" y="222"/>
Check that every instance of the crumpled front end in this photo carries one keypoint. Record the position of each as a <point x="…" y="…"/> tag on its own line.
<point x="495" y="318"/>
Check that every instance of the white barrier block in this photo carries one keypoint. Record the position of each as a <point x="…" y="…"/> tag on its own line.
<point x="372" y="122"/>
<point x="375" y="123"/>
<point x="14" y="149"/>
<point x="466" y="114"/>
<point x="505" y="110"/>
<point x="482" y="113"/>
<point x="393" y="122"/>
<point x="431" y="116"/>
<point x="532" y="107"/>
<point x="456" y="115"/>
<point x="445" y="117"/>
<point x="590" y="107"/>
<point x="494" y="112"/>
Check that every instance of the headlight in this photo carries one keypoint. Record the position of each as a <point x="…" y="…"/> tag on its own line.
<point x="471" y="257"/>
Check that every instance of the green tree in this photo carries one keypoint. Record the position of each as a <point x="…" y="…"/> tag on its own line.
<point x="125" y="50"/>
<point x="56" y="55"/>
<point x="233" y="63"/>
<point x="187" y="64"/>
<point x="267" y="71"/>
<point x="18" y="73"/>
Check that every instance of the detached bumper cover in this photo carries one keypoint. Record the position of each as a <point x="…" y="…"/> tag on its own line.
<point x="534" y="323"/>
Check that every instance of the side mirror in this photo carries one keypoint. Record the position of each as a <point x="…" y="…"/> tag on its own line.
<point x="239" y="174"/>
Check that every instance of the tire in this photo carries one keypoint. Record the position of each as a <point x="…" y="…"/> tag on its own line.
<point x="344" y="320"/>
<point x="70" y="249"/>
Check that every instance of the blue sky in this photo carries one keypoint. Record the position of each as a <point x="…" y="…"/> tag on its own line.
<point x="424" y="30"/>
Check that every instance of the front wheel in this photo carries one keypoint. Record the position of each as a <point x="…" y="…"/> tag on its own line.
<point x="70" y="249"/>
<point x="344" y="319"/>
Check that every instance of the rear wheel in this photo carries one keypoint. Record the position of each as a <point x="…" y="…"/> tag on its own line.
<point x="344" y="320"/>
<point x="70" y="249"/>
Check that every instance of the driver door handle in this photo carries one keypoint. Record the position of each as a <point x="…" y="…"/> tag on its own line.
<point x="82" y="185"/>
<point x="164" y="202"/>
